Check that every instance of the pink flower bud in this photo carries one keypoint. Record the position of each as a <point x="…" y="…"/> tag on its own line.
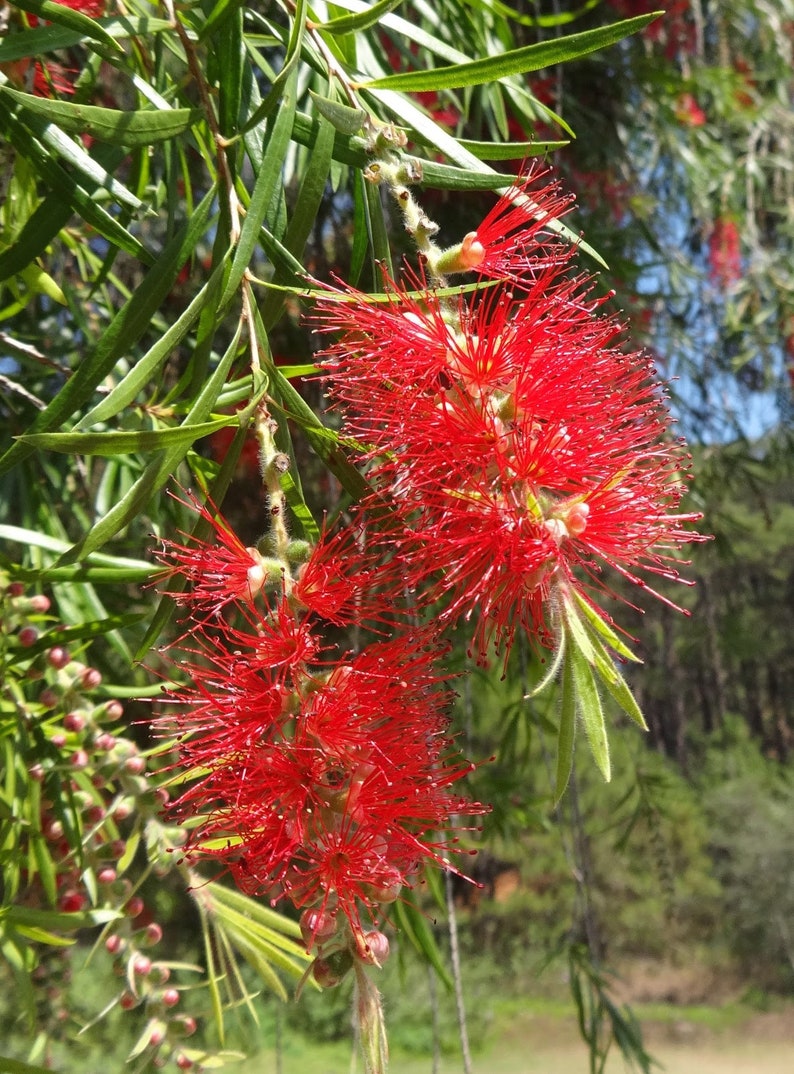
<point x="170" y="997"/>
<point x="53" y="830"/>
<point x="152" y="934"/>
<point x="114" y="944"/>
<point x="142" y="965"/>
<point x="114" y="710"/>
<point x="72" y="902"/>
<point x="156" y="1036"/>
<point x="317" y="926"/>
<point x="135" y="765"/>
<point x="90" y="678"/>
<point x="16" y="589"/>
<point x="79" y="760"/>
<point x="375" y="948"/>
<point x="74" y="721"/>
<point x="106" y="876"/>
<point x="28" y="636"/>
<point x="49" y="698"/>
<point x="58" y="657"/>
<point x="39" y="603"/>
<point x="183" y="1062"/>
<point x="128" y="1001"/>
<point x="134" y="906"/>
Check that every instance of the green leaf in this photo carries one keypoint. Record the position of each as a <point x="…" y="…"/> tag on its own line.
<point x="229" y="53"/>
<point x="566" y="736"/>
<point x="140" y="376"/>
<point x="516" y="62"/>
<point x="41" y="153"/>
<point x="35" y="539"/>
<point x="510" y="150"/>
<point x="142" y="127"/>
<point x="108" y="444"/>
<point x="69" y="18"/>
<point x="158" y="472"/>
<point x="39" y="935"/>
<point x="16" y="1066"/>
<point x="42" y="39"/>
<point x="599" y="624"/>
<point x="35" y="125"/>
<point x="405" y="111"/>
<point x="129" y="324"/>
<point x="221" y="11"/>
<point x="342" y="117"/>
<point x="409" y="918"/>
<point x="348" y="24"/>
<point x="265" y="186"/>
<point x="304" y="214"/>
<point x="588" y="701"/>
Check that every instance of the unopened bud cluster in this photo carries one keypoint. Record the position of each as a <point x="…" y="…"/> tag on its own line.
<point x="88" y="791"/>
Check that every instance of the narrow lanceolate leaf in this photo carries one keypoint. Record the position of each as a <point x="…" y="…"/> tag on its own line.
<point x="44" y="39"/>
<point x="70" y="18"/>
<point x="159" y="470"/>
<point x="127" y="129"/>
<point x="304" y="215"/>
<point x="588" y="701"/>
<point x="348" y="24"/>
<point x="601" y="627"/>
<point x="516" y="62"/>
<point x="566" y="736"/>
<point x="81" y="197"/>
<point x="510" y="150"/>
<point x="404" y="111"/>
<point x="123" y="443"/>
<point x="141" y="374"/>
<point x="40" y="127"/>
<point x="129" y="324"/>
<point x="267" y="181"/>
<point x="342" y="117"/>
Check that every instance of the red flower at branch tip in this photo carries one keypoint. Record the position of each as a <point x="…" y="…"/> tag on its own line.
<point x="522" y="447"/>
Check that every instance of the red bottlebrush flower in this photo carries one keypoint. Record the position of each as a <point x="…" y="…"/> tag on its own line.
<point x="522" y="448"/>
<point x="507" y="244"/>
<point x="725" y="257"/>
<point x="326" y="788"/>
<point x="218" y="573"/>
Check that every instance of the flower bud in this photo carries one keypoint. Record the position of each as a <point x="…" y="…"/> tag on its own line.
<point x="72" y="902"/>
<point x="74" y="721"/>
<point x="58" y="657"/>
<point x="152" y="934"/>
<point x="142" y="965"/>
<point x="90" y="678"/>
<point x="114" y="944"/>
<point x="113" y="710"/>
<point x="328" y="972"/>
<point x="27" y="636"/>
<point x="317" y="926"/>
<point x="134" y="907"/>
<point x="375" y="948"/>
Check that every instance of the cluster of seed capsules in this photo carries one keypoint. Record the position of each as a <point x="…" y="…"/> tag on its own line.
<point x="87" y="792"/>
